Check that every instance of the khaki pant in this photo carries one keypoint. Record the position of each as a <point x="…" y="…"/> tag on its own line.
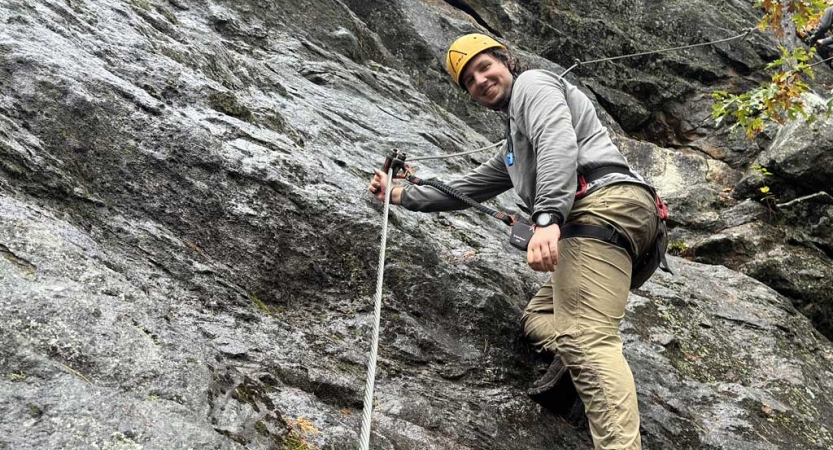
<point x="578" y="311"/>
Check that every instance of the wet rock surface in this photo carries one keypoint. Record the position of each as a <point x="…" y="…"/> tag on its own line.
<point x="113" y="358"/>
<point x="802" y="154"/>
<point x="793" y="259"/>
<point x="188" y="254"/>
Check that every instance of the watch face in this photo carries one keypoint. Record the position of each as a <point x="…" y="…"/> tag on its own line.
<point x="543" y="219"/>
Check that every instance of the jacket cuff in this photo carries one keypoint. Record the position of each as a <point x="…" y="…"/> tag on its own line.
<point x="403" y="197"/>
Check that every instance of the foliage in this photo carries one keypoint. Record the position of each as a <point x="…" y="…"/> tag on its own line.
<point x="17" y="377"/>
<point x="800" y="12"/>
<point x="779" y="100"/>
<point x="300" y="429"/>
<point x="677" y="247"/>
<point x="761" y="170"/>
<point x="768" y="197"/>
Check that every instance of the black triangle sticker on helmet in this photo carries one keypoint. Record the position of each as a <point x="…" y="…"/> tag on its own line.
<point x="456" y="61"/>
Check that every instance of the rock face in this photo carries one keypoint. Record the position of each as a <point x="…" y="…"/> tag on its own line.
<point x="799" y="160"/>
<point x="791" y="248"/>
<point x="188" y="253"/>
<point x="795" y="260"/>
<point x="109" y="349"/>
<point x="691" y="185"/>
<point x="802" y="155"/>
<point x="793" y="266"/>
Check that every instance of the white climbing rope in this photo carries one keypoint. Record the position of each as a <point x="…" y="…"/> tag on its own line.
<point x="364" y="444"/>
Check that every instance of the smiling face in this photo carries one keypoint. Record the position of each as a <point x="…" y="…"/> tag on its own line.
<point x="488" y="81"/>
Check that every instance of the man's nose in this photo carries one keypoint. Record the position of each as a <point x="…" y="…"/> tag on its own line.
<point x="479" y="78"/>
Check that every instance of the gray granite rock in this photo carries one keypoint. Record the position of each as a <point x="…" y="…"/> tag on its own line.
<point x="188" y="252"/>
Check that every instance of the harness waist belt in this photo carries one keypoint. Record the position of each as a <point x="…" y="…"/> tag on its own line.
<point x="607" y="234"/>
<point x="599" y="172"/>
<point x="585" y="179"/>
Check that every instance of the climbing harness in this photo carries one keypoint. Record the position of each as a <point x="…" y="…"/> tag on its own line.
<point x="683" y="47"/>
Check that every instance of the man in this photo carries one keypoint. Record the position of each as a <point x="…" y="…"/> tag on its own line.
<point x="553" y="134"/>
<point x="825" y="24"/>
<point x="819" y="39"/>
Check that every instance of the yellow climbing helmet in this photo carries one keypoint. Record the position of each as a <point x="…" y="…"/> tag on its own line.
<point x="464" y="49"/>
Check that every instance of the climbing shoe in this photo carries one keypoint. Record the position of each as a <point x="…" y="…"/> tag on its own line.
<point x="554" y="390"/>
<point x="555" y="372"/>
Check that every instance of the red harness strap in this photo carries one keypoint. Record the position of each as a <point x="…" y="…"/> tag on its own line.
<point x="582" y="186"/>
<point x="662" y="209"/>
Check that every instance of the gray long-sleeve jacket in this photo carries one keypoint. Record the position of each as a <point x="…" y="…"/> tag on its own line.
<point x="554" y="134"/>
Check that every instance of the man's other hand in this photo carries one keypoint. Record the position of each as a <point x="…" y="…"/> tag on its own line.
<point x="542" y="253"/>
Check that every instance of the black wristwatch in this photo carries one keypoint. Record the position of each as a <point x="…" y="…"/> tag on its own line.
<point x="544" y="219"/>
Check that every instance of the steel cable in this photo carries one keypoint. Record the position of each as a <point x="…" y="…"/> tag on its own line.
<point x="613" y="58"/>
<point x="364" y="444"/>
<point x="468" y="152"/>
